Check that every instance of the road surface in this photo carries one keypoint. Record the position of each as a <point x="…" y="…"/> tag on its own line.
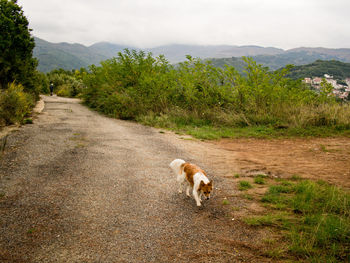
<point x="76" y="186"/>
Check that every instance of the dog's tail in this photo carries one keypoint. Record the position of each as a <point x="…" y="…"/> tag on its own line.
<point x="176" y="166"/>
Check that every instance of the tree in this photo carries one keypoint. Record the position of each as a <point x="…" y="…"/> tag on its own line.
<point x="16" y="47"/>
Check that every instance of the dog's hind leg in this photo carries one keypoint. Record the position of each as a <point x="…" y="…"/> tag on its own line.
<point x="188" y="190"/>
<point x="180" y="179"/>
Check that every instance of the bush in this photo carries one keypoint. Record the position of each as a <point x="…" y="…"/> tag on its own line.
<point x="15" y="104"/>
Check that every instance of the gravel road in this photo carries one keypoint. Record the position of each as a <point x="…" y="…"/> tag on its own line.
<point x="76" y="186"/>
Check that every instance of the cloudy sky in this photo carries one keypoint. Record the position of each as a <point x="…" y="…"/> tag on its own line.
<point x="149" y="23"/>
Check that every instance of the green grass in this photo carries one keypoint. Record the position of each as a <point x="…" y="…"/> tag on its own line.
<point x="236" y="175"/>
<point x="314" y="217"/>
<point x="244" y="185"/>
<point x="225" y="202"/>
<point x="259" y="179"/>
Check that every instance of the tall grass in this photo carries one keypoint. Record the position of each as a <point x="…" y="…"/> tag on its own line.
<point x="135" y="85"/>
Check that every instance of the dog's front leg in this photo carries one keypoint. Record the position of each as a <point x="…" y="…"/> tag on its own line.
<point x="196" y="197"/>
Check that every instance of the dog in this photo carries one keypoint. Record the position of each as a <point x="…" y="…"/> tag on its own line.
<point x="195" y="177"/>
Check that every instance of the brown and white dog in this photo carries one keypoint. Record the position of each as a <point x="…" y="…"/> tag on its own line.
<point x="195" y="177"/>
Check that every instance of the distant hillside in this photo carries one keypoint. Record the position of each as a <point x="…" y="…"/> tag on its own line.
<point x="337" y="69"/>
<point x="274" y="62"/>
<point x="63" y="55"/>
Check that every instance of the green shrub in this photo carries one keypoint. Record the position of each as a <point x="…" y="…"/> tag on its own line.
<point x="15" y="104"/>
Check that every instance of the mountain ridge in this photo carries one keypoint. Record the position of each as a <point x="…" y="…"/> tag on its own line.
<point x="74" y="56"/>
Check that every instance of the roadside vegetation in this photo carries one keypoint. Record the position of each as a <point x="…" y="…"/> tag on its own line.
<point x="20" y="82"/>
<point x="312" y="219"/>
<point x="209" y="102"/>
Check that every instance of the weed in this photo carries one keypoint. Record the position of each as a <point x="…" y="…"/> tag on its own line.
<point x="244" y="185"/>
<point x="296" y="177"/>
<point x="225" y="202"/>
<point x="248" y="196"/>
<point x="31" y="230"/>
<point x="28" y="121"/>
<point x="236" y="208"/>
<point x="236" y="175"/>
<point x="259" y="180"/>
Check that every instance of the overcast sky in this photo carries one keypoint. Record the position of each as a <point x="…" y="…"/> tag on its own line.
<point x="149" y="23"/>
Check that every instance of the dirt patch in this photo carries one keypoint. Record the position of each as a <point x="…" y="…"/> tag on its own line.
<point x="321" y="158"/>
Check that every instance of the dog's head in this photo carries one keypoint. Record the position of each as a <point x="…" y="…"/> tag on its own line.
<point x="206" y="189"/>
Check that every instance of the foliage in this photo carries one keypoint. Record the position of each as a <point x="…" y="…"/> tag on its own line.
<point x="15" y="104"/>
<point x="16" y="47"/>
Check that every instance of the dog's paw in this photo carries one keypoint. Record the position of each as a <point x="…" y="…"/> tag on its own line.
<point x="199" y="204"/>
<point x="180" y="191"/>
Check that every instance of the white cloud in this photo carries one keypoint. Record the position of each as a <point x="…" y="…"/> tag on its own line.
<point x="145" y="23"/>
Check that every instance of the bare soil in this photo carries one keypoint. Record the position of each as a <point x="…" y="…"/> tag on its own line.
<point x="76" y="186"/>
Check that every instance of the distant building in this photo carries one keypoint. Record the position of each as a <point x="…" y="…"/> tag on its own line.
<point x="307" y="80"/>
<point x="317" y="81"/>
<point x="339" y="91"/>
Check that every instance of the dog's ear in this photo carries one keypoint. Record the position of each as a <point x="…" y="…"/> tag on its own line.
<point x="201" y="184"/>
<point x="210" y="183"/>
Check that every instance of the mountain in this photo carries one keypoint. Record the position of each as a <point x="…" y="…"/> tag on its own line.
<point x="178" y="53"/>
<point x="107" y="50"/>
<point x="74" y="56"/>
<point x="63" y="55"/>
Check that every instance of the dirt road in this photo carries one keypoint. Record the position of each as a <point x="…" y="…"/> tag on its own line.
<point x="79" y="187"/>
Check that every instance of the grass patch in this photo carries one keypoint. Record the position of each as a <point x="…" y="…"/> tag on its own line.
<point x="259" y="180"/>
<point x="244" y="185"/>
<point x="314" y="217"/>
<point x="236" y="176"/>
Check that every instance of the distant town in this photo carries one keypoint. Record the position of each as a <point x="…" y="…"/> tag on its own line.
<point x="341" y="89"/>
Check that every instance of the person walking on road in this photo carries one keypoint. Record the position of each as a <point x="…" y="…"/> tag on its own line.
<point x="51" y="89"/>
